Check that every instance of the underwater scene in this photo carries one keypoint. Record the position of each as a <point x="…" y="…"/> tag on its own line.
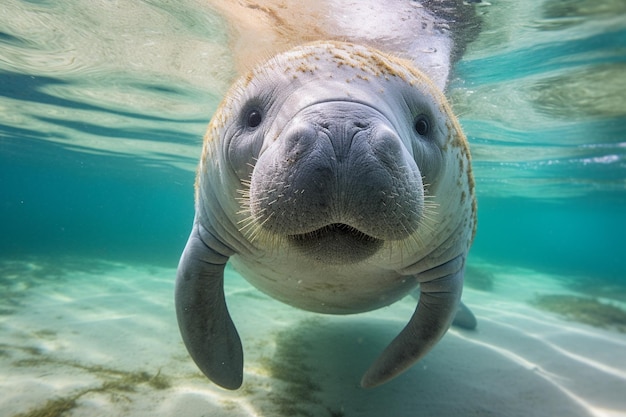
<point x="103" y="108"/>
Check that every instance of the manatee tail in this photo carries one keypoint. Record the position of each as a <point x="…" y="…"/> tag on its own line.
<point x="203" y="319"/>
<point x="437" y="306"/>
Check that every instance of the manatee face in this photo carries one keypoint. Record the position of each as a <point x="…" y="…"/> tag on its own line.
<point x="334" y="151"/>
<point x="337" y="182"/>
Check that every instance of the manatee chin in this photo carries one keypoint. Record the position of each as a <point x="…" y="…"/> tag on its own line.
<point x="336" y="243"/>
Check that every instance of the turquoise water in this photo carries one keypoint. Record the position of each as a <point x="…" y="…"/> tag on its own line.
<point x="103" y="106"/>
<point x="98" y="151"/>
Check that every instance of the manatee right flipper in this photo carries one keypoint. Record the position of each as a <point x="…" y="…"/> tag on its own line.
<point x="203" y="319"/>
<point x="464" y="318"/>
<point x="438" y="302"/>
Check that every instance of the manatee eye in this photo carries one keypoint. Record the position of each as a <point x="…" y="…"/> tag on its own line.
<point x="421" y="125"/>
<point x="253" y="119"/>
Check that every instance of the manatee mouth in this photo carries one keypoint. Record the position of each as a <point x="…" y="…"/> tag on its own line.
<point x="336" y="243"/>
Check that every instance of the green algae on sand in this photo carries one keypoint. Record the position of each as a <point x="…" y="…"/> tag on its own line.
<point x="585" y="310"/>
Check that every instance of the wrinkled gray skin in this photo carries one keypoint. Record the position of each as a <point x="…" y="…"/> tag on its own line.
<point x="337" y="180"/>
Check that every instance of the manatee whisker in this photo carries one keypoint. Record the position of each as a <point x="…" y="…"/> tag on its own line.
<point x="251" y="217"/>
<point x="266" y="219"/>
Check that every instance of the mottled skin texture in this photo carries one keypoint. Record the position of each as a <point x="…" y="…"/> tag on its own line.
<point x="336" y="179"/>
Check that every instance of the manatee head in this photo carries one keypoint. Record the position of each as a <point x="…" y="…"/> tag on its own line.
<point x="335" y="150"/>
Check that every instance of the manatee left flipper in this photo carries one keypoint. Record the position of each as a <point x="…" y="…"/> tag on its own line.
<point x="464" y="318"/>
<point x="205" y="324"/>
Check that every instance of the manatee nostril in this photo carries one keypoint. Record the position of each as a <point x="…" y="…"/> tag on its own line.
<point x="360" y="124"/>
<point x="387" y="147"/>
<point x="299" y="141"/>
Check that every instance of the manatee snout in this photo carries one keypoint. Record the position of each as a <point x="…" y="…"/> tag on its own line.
<point x="338" y="176"/>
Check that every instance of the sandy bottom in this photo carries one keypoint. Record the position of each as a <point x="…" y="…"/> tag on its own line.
<point x="99" y="339"/>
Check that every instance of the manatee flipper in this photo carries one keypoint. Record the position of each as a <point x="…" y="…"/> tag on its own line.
<point x="464" y="318"/>
<point x="205" y="324"/>
<point x="437" y="306"/>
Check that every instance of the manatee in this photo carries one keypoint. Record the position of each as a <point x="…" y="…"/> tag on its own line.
<point x="335" y="178"/>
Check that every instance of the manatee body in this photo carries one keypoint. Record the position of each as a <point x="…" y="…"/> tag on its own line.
<point x="336" y="179"/>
